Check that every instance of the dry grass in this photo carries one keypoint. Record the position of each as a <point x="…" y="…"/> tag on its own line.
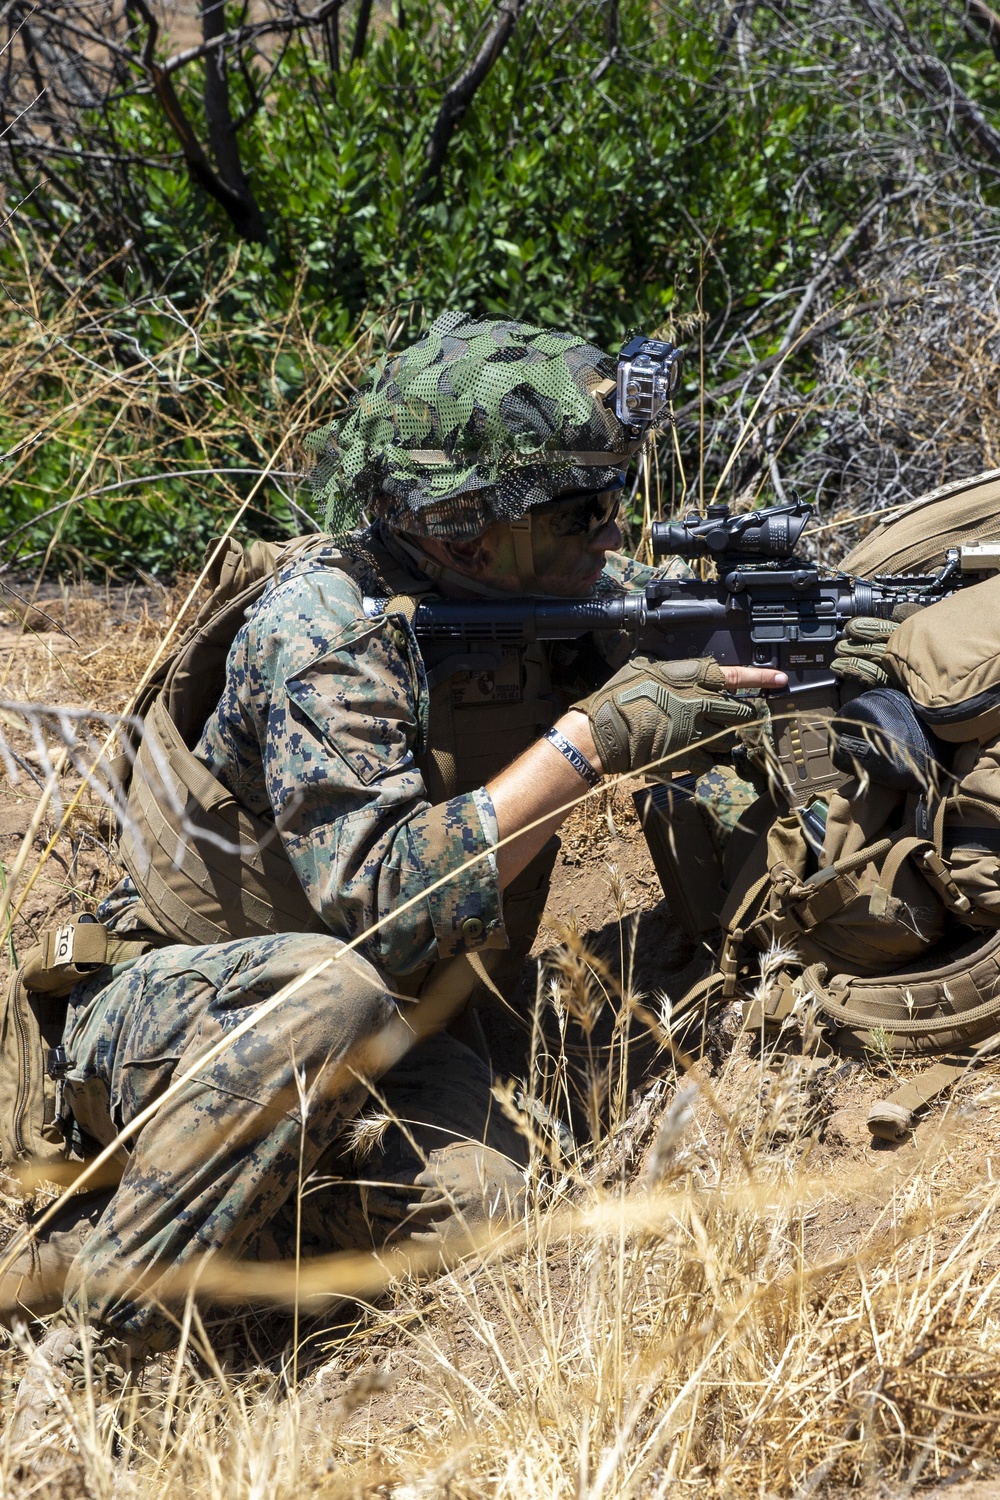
<point x="705" y="1326"/>
<point x="728" y="1295"/>
<point x="725" y="1292"/>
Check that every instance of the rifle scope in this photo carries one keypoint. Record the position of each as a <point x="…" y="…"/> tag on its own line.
<point x="752" y="534"/>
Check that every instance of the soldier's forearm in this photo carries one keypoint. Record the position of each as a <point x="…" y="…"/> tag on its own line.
<point x="539" y="787"/>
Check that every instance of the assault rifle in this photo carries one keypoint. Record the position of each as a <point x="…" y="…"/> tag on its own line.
<point x="766" y="607"/>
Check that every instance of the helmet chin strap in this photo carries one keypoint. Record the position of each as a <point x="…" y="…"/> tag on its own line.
<point x="524" y="554"/>
<point x="438" y="573"/>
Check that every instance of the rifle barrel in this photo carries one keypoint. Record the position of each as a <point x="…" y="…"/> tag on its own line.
<point x="521" y="619"/>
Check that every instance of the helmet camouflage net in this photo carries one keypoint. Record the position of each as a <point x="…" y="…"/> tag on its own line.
<point x="478" y="422"/>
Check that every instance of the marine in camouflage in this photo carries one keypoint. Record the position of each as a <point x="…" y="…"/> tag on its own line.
<point x="324" y="727"/>
<point x="321" y="724"/>
<point x="214" y="1166"/>
<point x="323" y="717"/>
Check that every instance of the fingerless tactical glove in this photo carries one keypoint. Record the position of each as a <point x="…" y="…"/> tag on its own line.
<point x="858" y="656"/>
<point x="651" y="709"/>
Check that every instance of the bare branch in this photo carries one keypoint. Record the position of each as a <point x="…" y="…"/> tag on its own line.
<point x="986" y="20"/>
<point x="245" y="215"/>
<point x="242" y="36"/>
<point x="361" y="30"/>
<point x="462" y="92"/>
<point x="932" y="78"/>
<point x="822" y="326"/>
<point x="222" y="128"/>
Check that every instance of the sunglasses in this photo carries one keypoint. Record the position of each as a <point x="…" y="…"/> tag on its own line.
<point x="585" y="514"/>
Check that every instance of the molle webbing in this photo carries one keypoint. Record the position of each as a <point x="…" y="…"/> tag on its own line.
<point x="206" y="868"/>
<point x="32" y="1018"/>
<point x="937" y="1010"/>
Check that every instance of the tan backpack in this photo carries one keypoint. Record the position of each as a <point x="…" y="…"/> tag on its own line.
<point x="879" y="978"/>
<point x="897" y="929"/>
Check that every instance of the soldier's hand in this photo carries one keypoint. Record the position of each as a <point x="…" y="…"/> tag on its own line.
<point x="652" y="709"/>
<point x="858" y="655"/>
<point x="761" y="678"/>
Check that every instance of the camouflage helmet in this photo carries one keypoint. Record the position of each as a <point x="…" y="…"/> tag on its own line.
<point x="477" y="422"/>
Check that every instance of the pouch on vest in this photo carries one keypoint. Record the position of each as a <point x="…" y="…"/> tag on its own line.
<point x="31" y="1028"/>
<point x="207" y="869"/>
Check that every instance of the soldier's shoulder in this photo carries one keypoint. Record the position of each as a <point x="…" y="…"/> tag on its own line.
<point x="316" y="596"/>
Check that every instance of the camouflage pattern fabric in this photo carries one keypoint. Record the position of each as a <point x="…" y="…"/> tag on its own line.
<point x="321" y="722"/>
<point x="218" y="1166"/>
<point x="477" y="422"/>
<point x="320" y="725"/>
<point x="723" y="796"/>
<point x="451" y="1166"/>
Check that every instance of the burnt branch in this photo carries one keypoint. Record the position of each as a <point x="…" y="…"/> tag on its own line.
<point x="984" y="21"/>
<point x="222" y="128"/>
<point x="235" y="205"/>
<point x="253" y="31"/>
<point x="361" y="30"/>
<point x="462" y="92"/>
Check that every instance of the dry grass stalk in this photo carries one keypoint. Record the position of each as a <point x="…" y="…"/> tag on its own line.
<point x="727" y="1320"/>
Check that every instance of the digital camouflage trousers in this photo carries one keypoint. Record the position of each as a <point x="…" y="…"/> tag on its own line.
<point x="250" y="1151"/>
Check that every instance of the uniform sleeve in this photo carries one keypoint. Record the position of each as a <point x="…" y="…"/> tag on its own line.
<point x="332" y="707"/>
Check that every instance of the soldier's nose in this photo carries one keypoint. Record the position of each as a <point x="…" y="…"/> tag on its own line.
<point x="608" y="539"/>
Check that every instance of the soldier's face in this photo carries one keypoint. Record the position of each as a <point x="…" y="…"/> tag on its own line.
<point x="569" y="537"/>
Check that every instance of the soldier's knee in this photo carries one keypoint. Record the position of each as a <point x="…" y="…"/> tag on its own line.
<point x="353" y="989"/>
<point x="315" y="997"/>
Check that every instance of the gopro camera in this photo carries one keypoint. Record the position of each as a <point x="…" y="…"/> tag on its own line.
<point x="649" y="371"/>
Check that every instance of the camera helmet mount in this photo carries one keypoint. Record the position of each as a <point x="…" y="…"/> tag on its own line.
<point x="649" y="372"/>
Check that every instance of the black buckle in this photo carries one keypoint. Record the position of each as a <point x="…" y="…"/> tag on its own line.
<point x="57" y="1062"/>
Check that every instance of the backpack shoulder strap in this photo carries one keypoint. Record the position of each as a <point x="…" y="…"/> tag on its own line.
<point x="892" y="1119"/>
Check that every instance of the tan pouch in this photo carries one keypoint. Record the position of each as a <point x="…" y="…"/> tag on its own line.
<point x="30" y="1098"/>
<point x="31" y="1029"/>
<point x="971" y="833"/>
<point x="868" y="909"/>
<point x="947" y="658"/>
